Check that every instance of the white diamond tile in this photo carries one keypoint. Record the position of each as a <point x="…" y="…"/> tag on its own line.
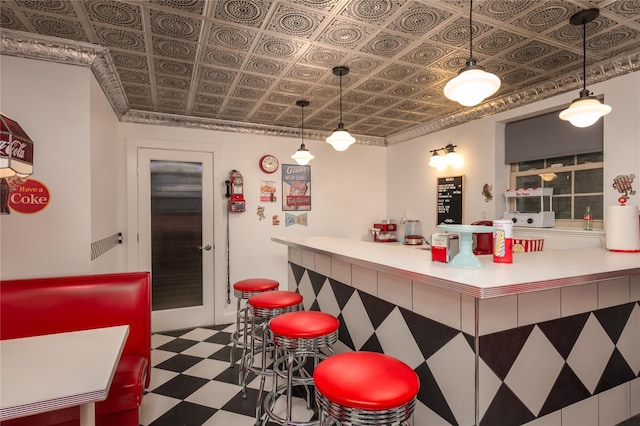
<point x="468" y="314"/>
<point x="158" y="356"/>
<point x="153" y="406"/>
<point x="160" y="377"/>
<point x="397" y="341"/>
<point x="357" y="321"/>
<point x="629" y="342"/>
<point x="198" y="334"/>
<point x="207" y="368"/>
<point x="582" y="413"/>
<point x="614" y="405"/>
<point x="364" y="279"/>
<point x="203" y="349"/>
<point x="306" y="291"/>
<point x="635" y="396"/>
<point x="214" y="394"/>
<point x="323" y="264"/>
<point x="579" y="299"/>
<point x="537" y="355"/>
<point x="327" y="300"/>
<point x="437" y="304"/>
<point x="341" y="271"/>
<point x="498" y="314"/>
<point x="395" y="290"/>
<point x="158" y="340"/>
<point x="590" y="354"/>
<point x="489" y="386"/>
<point x="453" y="368"/>
<point x="424" y="416"/>
<point x="222" y="417"/>
<point x="538" y="306"/>
<point x="613" y="292"/>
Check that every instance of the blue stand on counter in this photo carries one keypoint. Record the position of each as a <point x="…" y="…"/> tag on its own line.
<point x="465" y="257"/>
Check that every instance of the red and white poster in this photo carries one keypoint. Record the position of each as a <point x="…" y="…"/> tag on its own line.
<point x="20" y="196"/>
<point x="296" y="187"/>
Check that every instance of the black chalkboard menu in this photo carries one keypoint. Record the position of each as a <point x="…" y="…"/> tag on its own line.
<point x="450" y="192"/>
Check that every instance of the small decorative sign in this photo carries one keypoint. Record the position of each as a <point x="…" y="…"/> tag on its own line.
<point x="296" y="187"/>
<point x="268" y="191"/>
<point x="292" y="219"/>
<point x="27" y="197"/>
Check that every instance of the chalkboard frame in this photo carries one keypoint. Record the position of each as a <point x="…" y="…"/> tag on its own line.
<point x="453" y="197"/>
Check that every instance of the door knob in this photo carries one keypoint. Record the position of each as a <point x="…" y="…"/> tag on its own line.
<point x="207" y="247"/>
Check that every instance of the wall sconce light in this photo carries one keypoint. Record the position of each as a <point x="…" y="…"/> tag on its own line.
<point x="587" y="109"/>
<point x="340" y="139"/>
<point x="451" y="158"/>
<point x="472" y="84"/>
<point x="302" y="155"/>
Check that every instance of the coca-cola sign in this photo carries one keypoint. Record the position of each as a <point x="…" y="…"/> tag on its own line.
<point x="16" y="149"/>
<point x="30" y="197"/>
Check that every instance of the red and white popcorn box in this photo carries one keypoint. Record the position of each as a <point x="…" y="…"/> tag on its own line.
<point x="524" y="245"/>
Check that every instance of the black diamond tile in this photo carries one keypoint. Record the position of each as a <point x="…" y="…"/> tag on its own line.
<point x="179" y="363"/>
<point x="317" y="281"/>
<point x="341" y="292"/>
<point x="177" y="345"/>
<point x="372" y="344"/>
<point x="567" y="390"/>
<point x="219" y="327"/>
<point x="614" y="319"/>
<point x="431" y="395"/>
<point x="298" y="272"/>
<point x="615" y="373"/>
<point x="564" y="332"/>
<point x="315" y="306"/>
<point x="499" y="350"/>
<point x="430" y="335"/>
<point x="232" y="375"/>
<point x="181" y="386"/>
<point x="343" y="333"/>
<point x="185" y="414"/>
<point x="221" y="338"/>
<point x="176" y="333"/>
<point x="377" y="309"/>
<point x="245" y="406"/>
<point x="224" y="354"/>
<point x="506" y="409"/>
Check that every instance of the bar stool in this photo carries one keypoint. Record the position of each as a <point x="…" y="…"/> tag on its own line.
<point x="365" y="388"/>
<point x="265" y="306"/>
<point x="243" y="290"/>
<point x="298" y="336"/>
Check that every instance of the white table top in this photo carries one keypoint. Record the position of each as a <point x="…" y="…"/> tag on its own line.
<point x="44" y="373"/>
<point x="529" y="271"/>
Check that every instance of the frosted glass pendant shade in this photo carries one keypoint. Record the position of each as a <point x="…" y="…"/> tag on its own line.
<point x="584" y="111"/>
<point x="302" y="156"/>
<point x="340" y="140"/>
<point x="471" y="86"/>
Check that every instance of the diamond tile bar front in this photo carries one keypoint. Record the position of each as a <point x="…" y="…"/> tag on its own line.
<point x="552" y="338"/>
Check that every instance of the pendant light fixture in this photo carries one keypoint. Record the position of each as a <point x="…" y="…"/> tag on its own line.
<point x="302" y="155"/>
<point x="472" y="84"/>
<point x="340" y="139"/>
<point x="587" y="109"/>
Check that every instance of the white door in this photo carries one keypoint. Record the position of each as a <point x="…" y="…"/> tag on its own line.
<point x="175" y="222"/>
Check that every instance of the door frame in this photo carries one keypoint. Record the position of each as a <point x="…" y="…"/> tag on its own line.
<point x="132" y="226"/>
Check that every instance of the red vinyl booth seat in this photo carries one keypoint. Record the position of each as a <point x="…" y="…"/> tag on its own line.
<point x="33" y="307"/>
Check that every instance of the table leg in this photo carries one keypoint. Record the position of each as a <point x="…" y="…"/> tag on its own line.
<point x="88" y="414"/>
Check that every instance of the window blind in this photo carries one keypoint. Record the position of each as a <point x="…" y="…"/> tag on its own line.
<point x="546" y="136"/>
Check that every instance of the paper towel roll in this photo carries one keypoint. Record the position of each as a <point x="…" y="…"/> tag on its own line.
<point x="622" y="228"/>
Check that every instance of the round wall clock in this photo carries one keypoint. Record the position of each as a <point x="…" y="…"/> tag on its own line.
<point x="269" y="163"/>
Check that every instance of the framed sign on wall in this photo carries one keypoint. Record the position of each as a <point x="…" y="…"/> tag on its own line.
<point x="450" y="200"/>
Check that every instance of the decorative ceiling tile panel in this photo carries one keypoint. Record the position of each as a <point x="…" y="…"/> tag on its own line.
<point x="249" y="61"/>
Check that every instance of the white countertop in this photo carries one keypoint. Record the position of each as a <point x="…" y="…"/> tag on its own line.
<point x="529" y="271"/>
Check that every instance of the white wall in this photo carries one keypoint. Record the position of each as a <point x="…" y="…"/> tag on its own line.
<point x="348" y="195"/>
<point x="51" y="102"/>
<point x="412" y="183"/>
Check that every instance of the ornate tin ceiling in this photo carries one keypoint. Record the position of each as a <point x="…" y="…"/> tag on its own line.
<point x="242" y="64"/>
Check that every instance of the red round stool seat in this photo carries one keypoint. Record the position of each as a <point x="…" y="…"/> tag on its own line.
<point x="365" y="384"/>
<point x="298" y="337"/>
<point x="244" y="289"/>
<point x="272" y="303"/>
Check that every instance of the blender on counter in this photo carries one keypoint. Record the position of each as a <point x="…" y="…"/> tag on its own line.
<point x="412" y="232"/>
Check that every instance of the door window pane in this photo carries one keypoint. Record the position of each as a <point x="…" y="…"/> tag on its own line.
<point x="176" y="234"/>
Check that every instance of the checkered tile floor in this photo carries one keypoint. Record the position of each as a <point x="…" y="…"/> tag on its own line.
<point x="192" y="384"/>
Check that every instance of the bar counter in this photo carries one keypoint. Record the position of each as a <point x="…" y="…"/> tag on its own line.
<point x="551" y="339"/>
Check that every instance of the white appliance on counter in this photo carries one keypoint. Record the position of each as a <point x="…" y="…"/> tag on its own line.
<point x="622" y="228"/>
<point x="542" y="218"/>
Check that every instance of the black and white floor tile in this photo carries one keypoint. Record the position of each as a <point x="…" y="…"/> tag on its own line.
<point x="192" y="384"/>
